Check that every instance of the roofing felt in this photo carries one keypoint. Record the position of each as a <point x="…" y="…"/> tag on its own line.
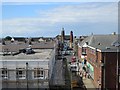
<point x="15" y="47"/>
<point x="41" y="54"/>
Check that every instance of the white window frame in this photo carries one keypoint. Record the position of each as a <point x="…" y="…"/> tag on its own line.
<point x="39" y="73"/>
<point x="22" y="75"/>
<point x="5" y="74"/>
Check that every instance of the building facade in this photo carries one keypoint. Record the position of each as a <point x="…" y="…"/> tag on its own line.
<point x="26" y="66"/>
<point x="100" y="54"/>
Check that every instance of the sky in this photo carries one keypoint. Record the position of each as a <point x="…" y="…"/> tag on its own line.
<point x="48" y="18"/>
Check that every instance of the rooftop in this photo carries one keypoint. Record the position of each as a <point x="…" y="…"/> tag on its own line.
<point x="103" y="42"/>
<point x="16" y="46"/>
<point x="40" y="54"/>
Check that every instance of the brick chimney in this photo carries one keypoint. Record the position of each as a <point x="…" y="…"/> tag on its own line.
<point x="62" y="35"/>
<point x="71" y="38"/>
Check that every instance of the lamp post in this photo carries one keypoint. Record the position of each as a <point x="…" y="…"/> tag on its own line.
<point x="27" y="74"/>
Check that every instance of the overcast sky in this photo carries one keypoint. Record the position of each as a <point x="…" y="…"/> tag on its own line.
<point x="47" y="19"/>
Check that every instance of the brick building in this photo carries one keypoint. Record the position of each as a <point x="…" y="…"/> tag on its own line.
<point x="100" y="53"/>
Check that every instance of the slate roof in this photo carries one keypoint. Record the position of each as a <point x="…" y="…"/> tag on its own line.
<point x="102" y="42"/>
<point x="19" y="38"/>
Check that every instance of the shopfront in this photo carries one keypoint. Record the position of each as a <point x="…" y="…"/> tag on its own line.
<point x="90" y="70"/>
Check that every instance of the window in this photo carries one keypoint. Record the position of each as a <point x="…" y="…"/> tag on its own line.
<point x="20" y="73"/>
<point x="84" y="50"/>
<point x="38" y="73"/>
<point x="4" y="73"/>
<point x="90" y="59"/>
<point x="92" y="51"/>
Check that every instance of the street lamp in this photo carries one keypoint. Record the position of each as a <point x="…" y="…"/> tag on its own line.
<point x="27" y="74"/>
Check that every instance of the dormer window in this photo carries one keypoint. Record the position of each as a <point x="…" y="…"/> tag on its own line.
<point x="116" y="44"/>
<point x="99" y="43"/>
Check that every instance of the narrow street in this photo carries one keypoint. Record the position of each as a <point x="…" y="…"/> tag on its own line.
<point x="76" y="82"/>
<point x="63" y="76"/>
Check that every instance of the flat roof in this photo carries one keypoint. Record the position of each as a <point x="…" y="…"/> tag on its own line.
<point x="40" y="54"/>
<point x="15" y="47"/>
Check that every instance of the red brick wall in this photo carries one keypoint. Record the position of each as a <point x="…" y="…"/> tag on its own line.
<point x="110" y="69"/>
<point x="79" y="52"/>
<point x="97" y="75"/>
<point x="94" y="58"/>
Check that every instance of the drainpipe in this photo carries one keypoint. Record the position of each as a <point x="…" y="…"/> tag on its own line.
<point x="104" y="70"/>
<point x="117" y="72"/>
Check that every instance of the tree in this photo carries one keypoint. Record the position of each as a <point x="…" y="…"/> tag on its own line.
<point x="8" y="38"/>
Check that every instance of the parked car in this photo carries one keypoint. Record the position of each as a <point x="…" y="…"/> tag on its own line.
<point x="73" y="59"/>
<point x="74" y="66"/>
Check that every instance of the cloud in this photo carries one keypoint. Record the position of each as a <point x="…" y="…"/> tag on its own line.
<point x="64" y="14"/>
<point x="83" y="13"/>
<point x="59" y="0"/>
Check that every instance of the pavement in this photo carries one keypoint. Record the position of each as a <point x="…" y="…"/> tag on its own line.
<point x="88" y="84"/>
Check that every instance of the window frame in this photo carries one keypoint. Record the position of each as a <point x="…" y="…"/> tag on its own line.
<point x="20" y="73"/>
<point x="5" y="74"/>
<point x="39" y="73"/>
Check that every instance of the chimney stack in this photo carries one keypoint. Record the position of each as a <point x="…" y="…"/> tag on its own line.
<point x="62" y="35"/>
<point x="114" y="33"/>
<point x="71" y="38"/>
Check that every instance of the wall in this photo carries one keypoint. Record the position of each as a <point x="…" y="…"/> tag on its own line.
<point x="79" y="52"/>
<point x="51" y="63"/>
<point x="22" y="83"/>
<point x="110" y="60"/>
<point x="94" y="58"/>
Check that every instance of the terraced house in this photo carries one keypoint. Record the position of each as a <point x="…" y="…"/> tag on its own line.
<point x="100" y="53"/>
